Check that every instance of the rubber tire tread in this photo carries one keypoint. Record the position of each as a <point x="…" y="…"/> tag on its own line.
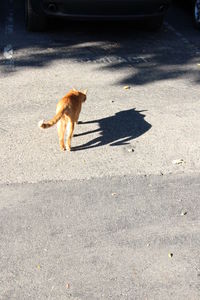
<point x="34" y="22"/>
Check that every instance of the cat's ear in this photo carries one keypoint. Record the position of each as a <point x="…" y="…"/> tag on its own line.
<point x="74" y="89"/>
<point x="85" y="92"/>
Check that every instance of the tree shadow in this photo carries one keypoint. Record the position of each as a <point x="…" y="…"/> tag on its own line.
<point x="109" y="46"/>
<point x="116" y="130"/>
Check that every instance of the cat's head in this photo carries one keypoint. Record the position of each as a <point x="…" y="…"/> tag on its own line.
<point x="82" y="94"/>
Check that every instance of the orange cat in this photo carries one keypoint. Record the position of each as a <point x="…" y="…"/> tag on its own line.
<point x="67" y="114"/>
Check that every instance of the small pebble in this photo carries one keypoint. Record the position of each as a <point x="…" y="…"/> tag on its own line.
<point x="67" y="285"/>
<point x="170" y="255"/>
<point x="183" y="213"/>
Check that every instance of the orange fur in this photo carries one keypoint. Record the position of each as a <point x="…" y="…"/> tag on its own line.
<point x="67" y="114"/>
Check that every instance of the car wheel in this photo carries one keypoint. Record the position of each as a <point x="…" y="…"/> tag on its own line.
<point x="197" y="14"/>
<point x="154" y="24"/>
<point x="34" y="22"/>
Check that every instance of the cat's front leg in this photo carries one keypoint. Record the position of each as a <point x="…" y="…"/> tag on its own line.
<point x="62" y="146"/>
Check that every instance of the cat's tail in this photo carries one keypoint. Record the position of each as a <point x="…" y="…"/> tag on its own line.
<point x="46" y="124"/>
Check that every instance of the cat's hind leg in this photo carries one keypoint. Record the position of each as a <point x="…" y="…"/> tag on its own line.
<point x="61" y="127"/>
<point x="70" y="130"/>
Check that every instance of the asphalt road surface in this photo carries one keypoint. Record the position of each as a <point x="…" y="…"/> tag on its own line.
<point x="117" y="217"/>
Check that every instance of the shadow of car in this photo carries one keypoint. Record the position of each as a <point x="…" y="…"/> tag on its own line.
<point x="38" y="12"/>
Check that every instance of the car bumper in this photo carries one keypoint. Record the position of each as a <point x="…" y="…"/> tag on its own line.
<point x="101" y="9"/>
<point x="102" y="17"/>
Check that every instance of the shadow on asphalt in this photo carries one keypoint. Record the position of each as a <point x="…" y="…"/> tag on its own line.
<point x="116" y="130"/>
<point x="149" y="56"/>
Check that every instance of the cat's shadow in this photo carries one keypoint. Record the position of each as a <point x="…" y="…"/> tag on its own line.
<point x="116" y="130"/>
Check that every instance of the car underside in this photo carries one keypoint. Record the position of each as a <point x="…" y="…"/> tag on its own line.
<point x="39" y="11"/>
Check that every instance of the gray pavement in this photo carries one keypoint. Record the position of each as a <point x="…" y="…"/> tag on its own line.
<point x="101" y="239"/>
<point x="99" y="222"/>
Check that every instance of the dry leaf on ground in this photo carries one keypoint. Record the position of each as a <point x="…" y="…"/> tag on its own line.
<point x="178" y="161"/>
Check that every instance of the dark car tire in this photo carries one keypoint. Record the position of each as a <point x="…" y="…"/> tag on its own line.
<point x="34" y="22"/>
<point x="154" y="24"/>
<point x="196" y="14"/>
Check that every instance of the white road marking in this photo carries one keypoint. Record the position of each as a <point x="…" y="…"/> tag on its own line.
<point x="115" y="60"/>
<point x="9" y="26"/>
<point x="9" y="29"/>
<point x="183" y="38"/>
